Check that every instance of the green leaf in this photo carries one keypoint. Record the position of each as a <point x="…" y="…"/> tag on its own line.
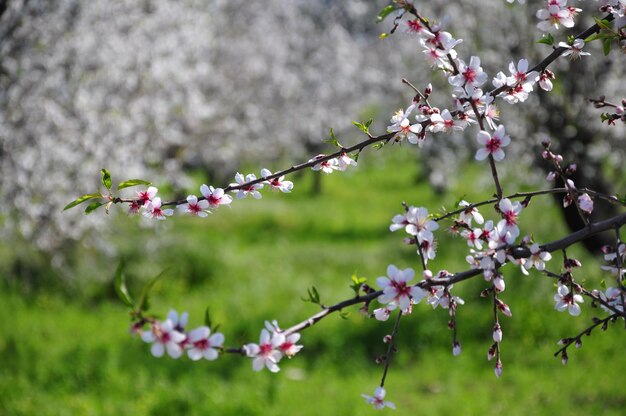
<point x="606" y="46"/>
<point x="207" y="318"/>
<point x="333" y="139"/>
<point x="106" y="179"/>
<point x="93" y="206"/>
<point x="81" y="199"/>
<point x="132" y="182"/>
<point x="361" y="127"/>
<point x="547" y="39"/>
<point x="604" y="24"/>
<point x="144" y="303"/>
<point x="386" y="11"/>
<point x="314" y="296"/>
<point x="603" y="284"/>
<point x="383" y="35"/>
<point x="357" y="282"/>
<point x="119" y="282"/>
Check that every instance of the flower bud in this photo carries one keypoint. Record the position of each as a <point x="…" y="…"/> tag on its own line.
<point x="387" y="339"/>
<point x="564" y="357"/>
<point x="456" y="348"/>
<point x="497" y="333"/>
<point x="498" y="369"/>
<point x="492" y="352"/>
<point x="579" y="343"/>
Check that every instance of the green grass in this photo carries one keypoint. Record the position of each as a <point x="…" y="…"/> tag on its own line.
<point x="66" y="349"/>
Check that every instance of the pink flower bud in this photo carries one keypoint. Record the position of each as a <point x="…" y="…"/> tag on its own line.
<point x="564" y="357"/>
<point x="387" y="339"/>
<point x="492" y="352"/>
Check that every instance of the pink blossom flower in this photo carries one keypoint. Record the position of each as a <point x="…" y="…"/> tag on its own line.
<point x="378" y="400"/>
<point x="246" y="190"/>
<point x="574" y="51"/>
<point x="553" y="16"/>
<point x="215" y="196"/>
<point x="510" y="213"/>
<point x="204" y="345"/>
<point x="520" y="75"/>
<point x="277" y="183"/>
<point x="566" y="300"/>
<point x="446" y="123"/>
<point x="144" y="197"/>
<point x="194" y="207"/>
<point x="415" y="222"/>
<point x="396" y="289"/>
<point x="492" y="145"/>
<point x="164" y="337"/>
<point x="266" y="353"/>
<point x="154" y="210"/>
<point x="545" y="80"/>
<point x="406" y="130"/>
<point x="382" y="314"/>
<point x="469" y="74"/>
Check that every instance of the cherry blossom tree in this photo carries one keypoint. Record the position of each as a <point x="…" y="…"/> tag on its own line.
<point x="493" y="244"/>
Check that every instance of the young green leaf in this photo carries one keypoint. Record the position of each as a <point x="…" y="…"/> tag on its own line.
<point x="106" y="179"/>
<point x="314" y="296"/>
<point x="547" y="40"/>
<point x="607" y="46"/>
<point x="144" y="303"/>
<point x="132" y="182"/>
<point x="119" y="282"/>
<point x="357" y="282"/>
<point x="208" y="322"/>
<point x="386" y="11"/>
<point x="93" y="206"/>
<point x="333" y="139"/>
<point x="80" y="200"/>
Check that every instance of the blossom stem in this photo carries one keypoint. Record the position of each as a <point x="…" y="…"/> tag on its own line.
<point x="390" y="350"/>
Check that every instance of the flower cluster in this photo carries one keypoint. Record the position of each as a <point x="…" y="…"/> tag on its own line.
<point x="170" y="335"/>
<point x="272" y="347"/>
<point x="415" y="222"/>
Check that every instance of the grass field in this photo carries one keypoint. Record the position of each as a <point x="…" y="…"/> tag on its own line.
<point x="66" y="350"/>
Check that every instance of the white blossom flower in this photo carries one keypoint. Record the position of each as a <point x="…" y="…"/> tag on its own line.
<point x="215" y="196"/>
<point x="154" y="210"/>
<point x="163" y="337"/>
<point x="575" y="50"/>
<point x="194" y="207"/>
<point x="396" y="288"/>
<point x="204" y="345"/>
<point x="378" y="400"/>
<point x="537" y="258"/>
<point x="326" y="166"/>
<point x="585" y="203"/>
<point x="565" y="300"/>
<point x="277" y="183"/>
<point x="246" y="190"/>
<point x="470" y="213"/>
<point x="492" y="145"/>
<point x="266" y="352"/>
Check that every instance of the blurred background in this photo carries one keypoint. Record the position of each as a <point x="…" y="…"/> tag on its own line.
<point x="189" y="92"/>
